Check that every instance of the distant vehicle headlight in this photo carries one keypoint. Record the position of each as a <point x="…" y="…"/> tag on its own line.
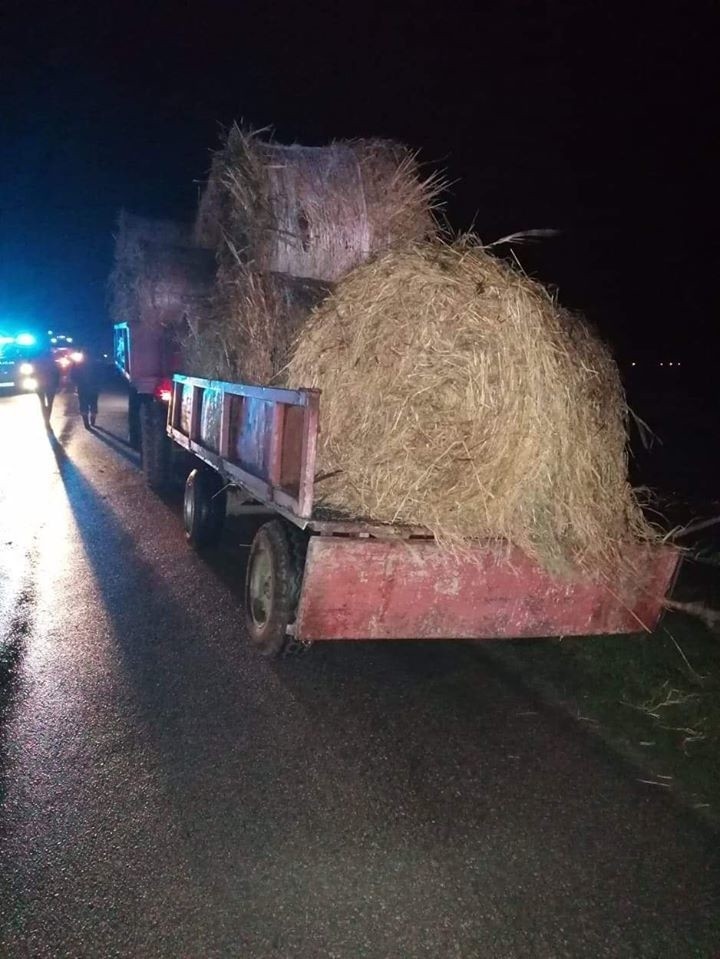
<point x="26" y="369"/>
<point x="77" y="356"/>
<point x="29" y="384"/>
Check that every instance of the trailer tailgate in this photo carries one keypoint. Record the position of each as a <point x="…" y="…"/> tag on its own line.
<point x="372" y="589"/>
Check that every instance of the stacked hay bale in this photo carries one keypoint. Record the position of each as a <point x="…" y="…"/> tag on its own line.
<point x="159" y="277"/>
<point x="457" y="395"/>
<point x="286" y="223"/>
<point x="254" y="319"/>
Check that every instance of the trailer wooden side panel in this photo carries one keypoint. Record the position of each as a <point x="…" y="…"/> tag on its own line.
<point x="261" y="438"/>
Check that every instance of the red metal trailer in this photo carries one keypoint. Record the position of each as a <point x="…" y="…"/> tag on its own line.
<point x="171" y="280"/>
<point x="317" y="577"/>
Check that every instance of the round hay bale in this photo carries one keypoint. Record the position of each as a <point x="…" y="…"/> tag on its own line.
<point x="312" y="212"/>
<point x="457" y="395"/>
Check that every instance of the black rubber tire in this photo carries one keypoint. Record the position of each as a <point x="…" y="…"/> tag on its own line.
<point x="155" y="445"/>
<point x="272" y="590"/>
<point x="134" y="427"/>
<point x="204" y="508"/>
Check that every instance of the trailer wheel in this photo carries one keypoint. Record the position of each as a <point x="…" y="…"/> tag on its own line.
<point x="204" y="508"/>
<point x="155" y="445"/>
<point x="272" y="585"/>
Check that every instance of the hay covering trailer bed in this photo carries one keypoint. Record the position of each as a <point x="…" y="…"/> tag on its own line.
<point x="314" y="577"/>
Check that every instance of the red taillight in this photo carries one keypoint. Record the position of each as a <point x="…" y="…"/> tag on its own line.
<point x="163" y="391"/>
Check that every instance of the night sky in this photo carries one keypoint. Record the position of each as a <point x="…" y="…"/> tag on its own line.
<point x="579" y="116"/>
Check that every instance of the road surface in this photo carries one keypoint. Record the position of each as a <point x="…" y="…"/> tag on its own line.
<point x="167" y="792"/>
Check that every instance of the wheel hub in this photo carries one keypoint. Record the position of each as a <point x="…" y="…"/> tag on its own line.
<point x="261" y="588"/>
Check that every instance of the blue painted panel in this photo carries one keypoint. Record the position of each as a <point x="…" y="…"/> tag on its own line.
<point x="253" y="437"/>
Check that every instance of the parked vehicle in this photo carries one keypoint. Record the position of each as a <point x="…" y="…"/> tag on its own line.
<point x="159" y="278"/>
<point x="314" y="576"/>
<point x="147" y="356"/>
<point x="17" y="367"/>
<point x="66" y="357"/>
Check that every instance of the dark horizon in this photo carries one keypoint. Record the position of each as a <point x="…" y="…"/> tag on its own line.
<point x="543" y="116"/>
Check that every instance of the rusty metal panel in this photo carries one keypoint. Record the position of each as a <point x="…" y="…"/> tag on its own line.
<point x="175" y="407"/>
<point x="146" y="354"/>
<point x="306" y="494"/>
<point x="271" y="394"/>
<point x="186" y="405"/>
<point x="370" y="589"/>
<point x="195" y="410"/>
<point x="361" y="527"/>
<point x="292" y="446"/>
<point x="226" y="413"/>
<point x="210" y="417"/>
<point x="277" y="429"/>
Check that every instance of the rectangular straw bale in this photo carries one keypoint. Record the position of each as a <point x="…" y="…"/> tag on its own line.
<point x="250" y="325"/>
<point x="313" y="212"/>
<point x="158" y="275"/>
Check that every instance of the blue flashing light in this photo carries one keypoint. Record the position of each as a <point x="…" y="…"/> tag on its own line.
<point x="25" y="339"/>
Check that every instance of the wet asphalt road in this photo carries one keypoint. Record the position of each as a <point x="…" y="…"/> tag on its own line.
<point x="166" y="792"/>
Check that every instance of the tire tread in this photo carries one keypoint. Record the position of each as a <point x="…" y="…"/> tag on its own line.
<point x="288" y="547"/>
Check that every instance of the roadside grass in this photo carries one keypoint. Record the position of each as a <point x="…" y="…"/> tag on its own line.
<point x="655" y="698"/>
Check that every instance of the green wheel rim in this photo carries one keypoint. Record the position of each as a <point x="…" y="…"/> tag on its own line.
<point x="261" y="587"/>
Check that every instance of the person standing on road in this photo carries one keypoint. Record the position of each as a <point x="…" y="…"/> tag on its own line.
<point x="47" y="375"/>
<point x="85" y="374"/>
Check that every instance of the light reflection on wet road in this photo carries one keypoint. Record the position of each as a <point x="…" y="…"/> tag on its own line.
<point x="168" y="793"/>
